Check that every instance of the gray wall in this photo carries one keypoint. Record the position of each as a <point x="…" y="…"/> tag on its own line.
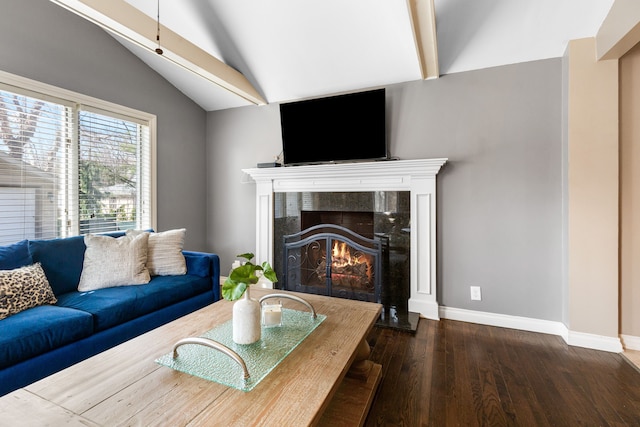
<point x="238" y="138"/>
<point x="44" y="42"/>
<point x="499" y="196"/>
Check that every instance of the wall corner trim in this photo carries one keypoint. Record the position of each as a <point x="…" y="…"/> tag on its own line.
<point x="630" y="342"/>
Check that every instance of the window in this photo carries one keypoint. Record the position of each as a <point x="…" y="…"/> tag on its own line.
<point x="71" y="164"/>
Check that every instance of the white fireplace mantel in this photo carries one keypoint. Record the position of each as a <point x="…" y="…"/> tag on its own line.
<point x="416" y="176"/>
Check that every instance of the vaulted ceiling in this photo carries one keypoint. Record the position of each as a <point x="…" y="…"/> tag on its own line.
<point x="231" y="53"/>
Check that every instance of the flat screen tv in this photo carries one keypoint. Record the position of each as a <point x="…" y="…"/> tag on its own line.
<point x="338" y="128"/>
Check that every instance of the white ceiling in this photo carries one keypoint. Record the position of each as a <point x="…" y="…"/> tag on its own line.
<point x="293" y="49"/>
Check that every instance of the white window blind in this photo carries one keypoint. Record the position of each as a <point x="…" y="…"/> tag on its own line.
<point x="68" y="168"/>
<point x="33" y="135"/>
<point x="113" y="165"/>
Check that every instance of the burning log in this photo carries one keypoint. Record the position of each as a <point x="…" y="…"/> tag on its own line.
<point x="346" y="270"/>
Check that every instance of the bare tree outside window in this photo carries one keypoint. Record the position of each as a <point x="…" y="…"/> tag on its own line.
<point x="20" y="118"/>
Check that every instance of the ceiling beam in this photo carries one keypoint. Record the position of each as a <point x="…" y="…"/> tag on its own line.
<point x="620" y="30"/>
<point x="119" y="17"/>
<point x="423" y="22"/>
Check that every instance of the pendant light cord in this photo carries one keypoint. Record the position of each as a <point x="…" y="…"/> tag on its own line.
<point x="158" y="49"/>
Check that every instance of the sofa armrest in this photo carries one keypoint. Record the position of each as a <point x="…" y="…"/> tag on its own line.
<point x="205" y="264"/>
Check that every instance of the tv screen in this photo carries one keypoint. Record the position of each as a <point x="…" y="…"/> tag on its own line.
<point x="334" y="129"/>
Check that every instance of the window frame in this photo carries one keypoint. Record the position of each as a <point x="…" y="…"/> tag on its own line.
<point x="78" y="101"/>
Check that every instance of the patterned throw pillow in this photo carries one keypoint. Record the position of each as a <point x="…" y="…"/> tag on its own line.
<point x="165" y="256"/>
<point x="110" y="261"/>
<point x="24" y="288"/>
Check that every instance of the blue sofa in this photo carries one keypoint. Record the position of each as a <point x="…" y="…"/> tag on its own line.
<point x="42" y="340"/>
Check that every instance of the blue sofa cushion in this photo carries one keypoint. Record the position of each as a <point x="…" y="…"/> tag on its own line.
<point x="40" y="329"/>
<point x="109" y="306"/>
<point x="198" y="263"/>
<point x="163" y="291"/>
<point x="61" y="260"/>
<point x="15" y="255"/>
<point x="113" y="306"/>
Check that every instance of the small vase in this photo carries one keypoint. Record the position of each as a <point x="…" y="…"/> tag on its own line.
<point x="246" y="320"/>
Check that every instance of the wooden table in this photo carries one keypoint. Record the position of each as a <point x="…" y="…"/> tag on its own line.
<point x="125" y="386"/>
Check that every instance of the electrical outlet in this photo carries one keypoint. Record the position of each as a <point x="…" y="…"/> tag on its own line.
<point x="476" y="295"/>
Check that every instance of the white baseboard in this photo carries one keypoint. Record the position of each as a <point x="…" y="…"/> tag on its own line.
<point x="505" y="321"/>
<point x="596" y="342"/>
<point x="629" y="342"/>
<point x="579" y="339"/>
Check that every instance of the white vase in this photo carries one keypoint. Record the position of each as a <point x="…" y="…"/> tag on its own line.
<point x="246" y="320"/>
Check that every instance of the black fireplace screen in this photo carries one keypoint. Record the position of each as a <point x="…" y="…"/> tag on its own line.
<point x="328" y="259"/>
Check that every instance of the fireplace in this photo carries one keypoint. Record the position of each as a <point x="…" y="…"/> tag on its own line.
<point x="353" y="244"/>
<point x="334" y="183"/>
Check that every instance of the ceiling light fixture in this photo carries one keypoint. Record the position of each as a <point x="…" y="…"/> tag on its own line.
<point x="158" y="49"/>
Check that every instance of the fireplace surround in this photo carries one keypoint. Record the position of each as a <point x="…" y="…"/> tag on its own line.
<point x="375" y="267"/>
<point x="418" y="177"/>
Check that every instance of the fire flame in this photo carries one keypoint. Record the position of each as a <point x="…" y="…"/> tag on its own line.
<point x="341" y="255"/>
<point x="346" y="266"/>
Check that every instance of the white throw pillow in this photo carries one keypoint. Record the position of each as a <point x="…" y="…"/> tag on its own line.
<point x="165" y="256"/>
<point x="110" y="261"/>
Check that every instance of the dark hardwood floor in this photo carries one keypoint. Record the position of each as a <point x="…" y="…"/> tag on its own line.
<point x="461" y="374"/>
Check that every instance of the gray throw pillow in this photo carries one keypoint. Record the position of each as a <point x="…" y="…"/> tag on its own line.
<point x="110" y="261"/>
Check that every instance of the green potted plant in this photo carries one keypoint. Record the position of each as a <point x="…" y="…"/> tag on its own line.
<point x="244" y="276"/>
<point x="246" y="311"/>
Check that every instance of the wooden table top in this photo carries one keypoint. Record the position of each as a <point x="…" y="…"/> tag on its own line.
<point x="125" y="386"/>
